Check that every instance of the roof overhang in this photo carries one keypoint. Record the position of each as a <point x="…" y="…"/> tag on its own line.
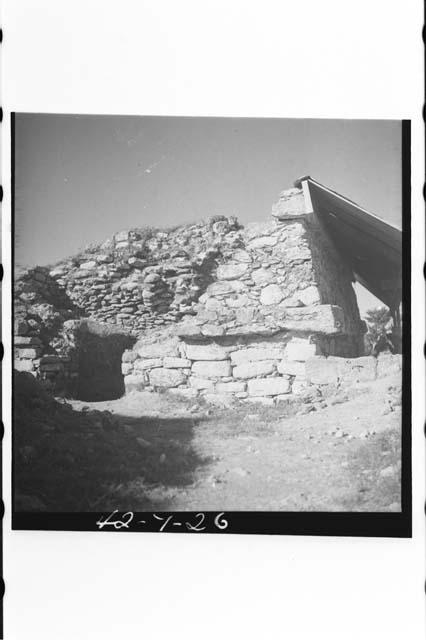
<point x="371" y="246"/>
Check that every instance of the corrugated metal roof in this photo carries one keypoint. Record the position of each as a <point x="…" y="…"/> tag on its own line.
<point x="371" y="246"/>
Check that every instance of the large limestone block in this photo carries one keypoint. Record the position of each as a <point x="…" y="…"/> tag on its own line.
<point x="300" y="350"/>
<point x="271" y="294"/>
<point x="321" y="370"/>
<point x="321" y="318"/>
<point x="157" y="349"/>
<point x="212" y="368"/>
<point x="291" y="368"/>
<point x="290" y="205"/>
<point x="230" y="387"/>
<point x="166" y="377"/>
<point x="268" y="387"/>
<point x="206" y="352"/>
<point x="253" y="369"/>
<point x="231" y="271"/>
<point x="176" y="363"/>
<point x="254" y="354"/>
<point x="148" y="363"/>
<point x="24" y="365"/>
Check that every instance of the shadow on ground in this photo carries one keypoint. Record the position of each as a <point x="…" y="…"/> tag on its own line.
<point x="68" y="460"/>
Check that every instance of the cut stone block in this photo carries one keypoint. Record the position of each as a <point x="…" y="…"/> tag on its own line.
<point x="291" y="368"/>
<point x="24" y="365"/>
<point x="290" y="205"/>
<point x="268" y="386"/>
<point x="230" y="387"/>
<point x="166" y="377"/>
<point x="321" y="370"/>
<point x="211" y="368"/>
<point x="300" y="351"/>
<point x="176" y="363"/>
<point x="206" y="352"/>
<point x="255" y="354"/>
<point x="321" y="318"/>
<point x="147" y="363"/>
<point x="157" y="349"/>
<point x="253" y="369"/>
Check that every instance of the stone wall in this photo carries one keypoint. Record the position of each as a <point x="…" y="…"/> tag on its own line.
<point x="246" y="369"/>
<point x="68" y="352"/>
<point x="146" y="278"/>
<point x="267" y="298"/>
<point x="279" y="298"/>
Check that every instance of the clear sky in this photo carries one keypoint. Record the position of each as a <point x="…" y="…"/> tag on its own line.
<point x="79" y="179"/>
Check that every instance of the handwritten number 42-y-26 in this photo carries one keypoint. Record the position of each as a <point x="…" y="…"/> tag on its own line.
<point x="197" y="526"/>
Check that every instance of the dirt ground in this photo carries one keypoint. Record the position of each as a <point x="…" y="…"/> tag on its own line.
<point x="339" y="454"/>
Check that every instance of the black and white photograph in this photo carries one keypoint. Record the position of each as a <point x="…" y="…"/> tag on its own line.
<point x="213" y="304"/>
<point x="209" y="316"/>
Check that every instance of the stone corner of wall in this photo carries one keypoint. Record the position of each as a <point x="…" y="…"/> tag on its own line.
<point x="290" y="205"/>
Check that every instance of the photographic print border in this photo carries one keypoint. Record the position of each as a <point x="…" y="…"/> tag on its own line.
<point x="373" y="524"/>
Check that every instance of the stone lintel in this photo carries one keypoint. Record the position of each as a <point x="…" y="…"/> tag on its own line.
<point x="323" y="319"/>
<point x="291" y="205"/>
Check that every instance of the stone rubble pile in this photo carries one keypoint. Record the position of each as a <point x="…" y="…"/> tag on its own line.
<point x="141" y="279"/>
